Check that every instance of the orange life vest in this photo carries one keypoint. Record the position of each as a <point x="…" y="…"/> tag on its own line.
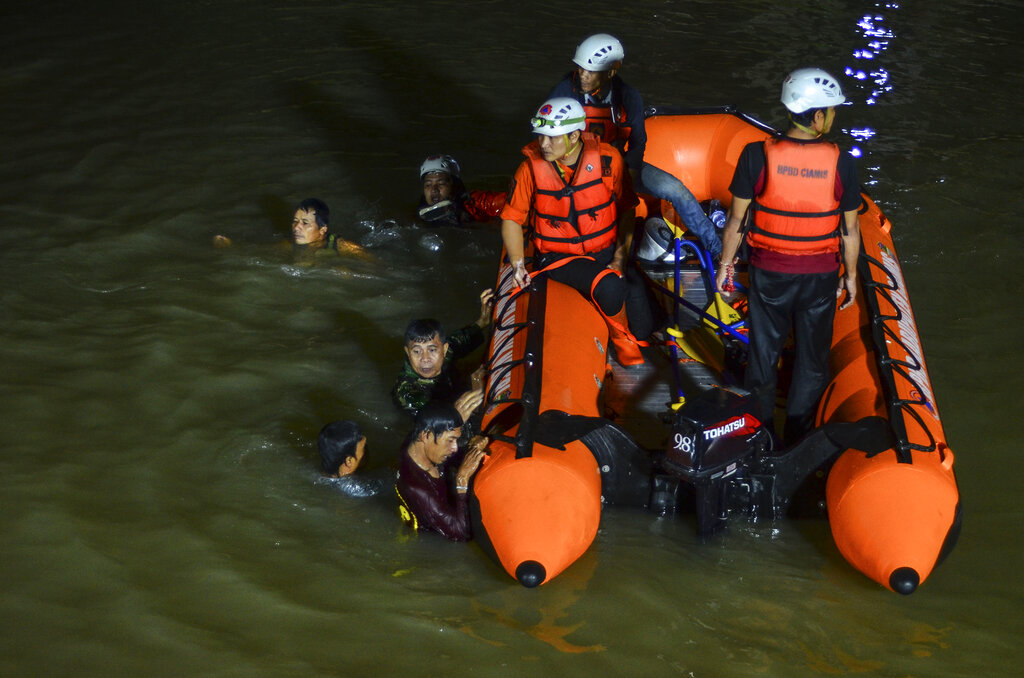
<point x="608" y="123"/>
<point x="797" y="212"/>
<point x="575" y="218"/>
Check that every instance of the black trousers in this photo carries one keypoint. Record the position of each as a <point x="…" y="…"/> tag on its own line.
<point x="806" y="304"/>
<point x="579" y="274"/>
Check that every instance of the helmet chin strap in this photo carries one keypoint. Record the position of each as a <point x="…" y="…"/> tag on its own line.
<point x="825" y="127"/>
<point x="804" y="128"/>
<point x="569" y="150"/>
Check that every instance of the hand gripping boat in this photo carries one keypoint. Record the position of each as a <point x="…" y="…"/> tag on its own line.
<point x="891" y="494"/>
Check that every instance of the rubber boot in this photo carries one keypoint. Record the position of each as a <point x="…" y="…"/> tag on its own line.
<point x="627" y="351"/>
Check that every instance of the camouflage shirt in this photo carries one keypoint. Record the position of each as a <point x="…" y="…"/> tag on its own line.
<point x="411" y="391"/>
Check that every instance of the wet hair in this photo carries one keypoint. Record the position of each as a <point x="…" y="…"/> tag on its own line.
<point x="337" y="442"/>
<point x="319" y="208"/>
<point x="423" y="329"/>
<point x="436" y="417"/>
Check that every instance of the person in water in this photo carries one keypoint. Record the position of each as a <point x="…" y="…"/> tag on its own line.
<point x="615" y="114"/>
<point x="342" y="447"/>
<point x="429" y="372"/>
<point x="432" y="490"/>
<point x="803" y="198"/>
<point x="310" y="233"/>
<point x="444" y="200"/>
<point x="572" y="190"/>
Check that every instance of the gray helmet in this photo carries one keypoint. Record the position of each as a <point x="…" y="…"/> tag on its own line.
<point x="440" y="163"/>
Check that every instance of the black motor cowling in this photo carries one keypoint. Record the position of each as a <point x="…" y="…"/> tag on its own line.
<point x="715" y="439"/>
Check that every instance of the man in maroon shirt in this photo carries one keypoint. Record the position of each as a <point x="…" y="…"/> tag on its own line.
<point x="426" y="499"/>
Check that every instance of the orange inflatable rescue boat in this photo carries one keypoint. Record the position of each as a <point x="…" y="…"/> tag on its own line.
<point x="538" y="507"/>
<point x="891" y="494"/>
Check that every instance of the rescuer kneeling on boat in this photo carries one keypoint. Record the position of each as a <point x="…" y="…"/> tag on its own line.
<point x="427" y="500"/>
<point x="446" y="202"/>
<point x="574" y="191"/>
<point x="803" y="197"/>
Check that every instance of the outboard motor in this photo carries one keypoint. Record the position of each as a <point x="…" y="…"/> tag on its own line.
<point x="715" y="441"/>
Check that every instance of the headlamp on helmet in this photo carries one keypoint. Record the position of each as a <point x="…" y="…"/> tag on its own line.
<point x="559" y="116"/>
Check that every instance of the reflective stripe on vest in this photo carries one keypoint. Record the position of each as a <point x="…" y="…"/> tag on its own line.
<point x="797" y="212"/>
<point x="574" y="218"/>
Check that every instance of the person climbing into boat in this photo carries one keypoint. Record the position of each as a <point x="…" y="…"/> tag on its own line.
<point x="429" y="372"/>
<point x="427" y="500"/>
<point x="615" y="114"/>
<point x="444" y="200"/>
<point x="798" y="197"/>
<point x="310" y="233"/>
<point x="573" y="192"/>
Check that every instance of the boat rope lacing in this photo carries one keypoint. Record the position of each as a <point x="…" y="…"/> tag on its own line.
<point x="504" y="322"/>
<point x="886" y="333"/>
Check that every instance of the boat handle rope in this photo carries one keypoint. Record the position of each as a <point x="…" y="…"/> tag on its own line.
<point x="890" y="366"/>
<point x="495" y="375"/>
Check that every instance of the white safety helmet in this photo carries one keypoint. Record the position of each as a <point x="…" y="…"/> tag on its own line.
<point x="440" y="163"/>
<point x="559" y="116"/>
<point x="601" y="52"/>
<point x="807" y="88"/>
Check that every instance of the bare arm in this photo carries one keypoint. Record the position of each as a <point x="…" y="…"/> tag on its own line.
<point x="627" y="224"/>
<point x="347" y="247"/>
<point x="851" y="252"/>
<point x="486" y="306"/>
<point x="469" y="401"/>
<point x="732" y="238"/>
<point x="470" y="463"/>
<point x="512" y="235"/>
<point x="625" y="203"/>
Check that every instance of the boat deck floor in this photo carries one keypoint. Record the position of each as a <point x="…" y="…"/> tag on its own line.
<point x="639" y="398"/>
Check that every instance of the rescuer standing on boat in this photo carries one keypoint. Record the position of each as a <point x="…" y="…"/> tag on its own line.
<point x="803" y="198"/>
<point x="574" y="191"/>
<point x="615" y="114"/>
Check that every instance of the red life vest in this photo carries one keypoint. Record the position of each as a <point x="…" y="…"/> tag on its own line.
<point x="797" y="212"/>
<point x="575" y="218"/>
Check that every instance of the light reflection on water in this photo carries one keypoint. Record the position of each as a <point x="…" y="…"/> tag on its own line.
<point x="879" y="39"/>
<point x="158" y="497"/>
